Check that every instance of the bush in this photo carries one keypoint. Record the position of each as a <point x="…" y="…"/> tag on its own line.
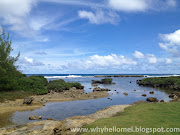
<point x="106" y="80"/>
<point x="60" y="85"/>
<point x="35" y="84"/>
<point x="161" y="81"/>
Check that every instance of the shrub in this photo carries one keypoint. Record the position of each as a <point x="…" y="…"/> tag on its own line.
<point x="60" y="85"/>
<point x="106" y="80"/>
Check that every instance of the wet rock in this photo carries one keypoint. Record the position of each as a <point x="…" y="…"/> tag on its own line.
<point x="94" y="84"/>
<point x="50" y="119"/>
<point x="151" y="92"/>
<point x="42" y="99"/>
<point x="174" y="95"/>
<point x="125" y="93"/>
<point x="28" y="100"/>
<point x="100" y="89"/>
<point x="152" y="99"/>
<point x="134" y="90"/>
<point x="33" y="117"/>
<point x="144" y="95"/>
<point x="162" y="101"/>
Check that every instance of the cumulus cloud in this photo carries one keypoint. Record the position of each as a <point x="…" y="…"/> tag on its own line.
<point x="168" y="61"/>
<point x="97" y="62"/>
<point x="128" y="5"/>
<point x="26" y="61"/>
<point x="99" y="17"/>
<point x="140" y="5"/>
<point x="151" y="58"/>
<point x="171" y="42"/>
<point x="138" y="54"/>
<point x="14" y="13"/>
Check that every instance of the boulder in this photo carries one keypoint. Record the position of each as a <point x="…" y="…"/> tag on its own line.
<point x="125" y="93"/>
<point x="144" y="95"/>
<point x="152" y="99"/>
<point x="28" y="100"/>
<point x="94" y="84"/>
<point x="100" y="89"/>
<point x="174" y="95"/>
<point x="151" y="92"/>
<point x="33" y="117"/>
<point x="162" y="101"/>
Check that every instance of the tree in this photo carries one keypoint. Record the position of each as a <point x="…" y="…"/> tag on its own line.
<point x="8" y="70"/>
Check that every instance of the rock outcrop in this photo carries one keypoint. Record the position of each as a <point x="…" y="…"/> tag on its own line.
<point x="100" y="89"/>
<point x="152" y="99"/>
<point x="28" y="100"/>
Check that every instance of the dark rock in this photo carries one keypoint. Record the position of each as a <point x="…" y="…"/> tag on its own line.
<point x="174" y="95"/>
<point x="28" y="100"/>
<point x="151" y="92"/>
<point x="162" y="101"/>
<point x="134" y="90"/>
<point x="144" y="95"/>
<point x="49" y="119"/>
<point x="152" y="99"/>
<point x="100" y="89"/>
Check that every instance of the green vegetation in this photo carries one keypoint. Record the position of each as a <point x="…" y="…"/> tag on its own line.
<point x="106" y="80"/>
<point x="147" y="116"/>
<point x="170" y="82"/>
<point x="60" y="85"/>
<point x="14" y="84"/>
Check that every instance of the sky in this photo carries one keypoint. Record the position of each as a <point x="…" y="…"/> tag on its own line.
<point x="94" y="36"/>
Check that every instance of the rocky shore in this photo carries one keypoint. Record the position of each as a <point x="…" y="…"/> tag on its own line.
<point x="9" y="107"/>
<point x="51" y="127"/>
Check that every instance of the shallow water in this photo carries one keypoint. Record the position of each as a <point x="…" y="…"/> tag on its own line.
<point x="62" y="110"/>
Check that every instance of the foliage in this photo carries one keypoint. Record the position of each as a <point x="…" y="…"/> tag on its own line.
<point x="145" y="115"/>
<point x="10" y="78"/>
<point x="60" y="85"/>
<point x="35" y="84"/>
<point x="106" y="80"/>
<point x="161" y="81"/>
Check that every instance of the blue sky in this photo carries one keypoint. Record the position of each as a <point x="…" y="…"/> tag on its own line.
<point x="92" y="36"/>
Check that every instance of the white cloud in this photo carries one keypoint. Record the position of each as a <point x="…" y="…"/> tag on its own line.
<point x="151" y="58"/>
<point x="138" y="55"/>
<point x="128" y="5"/>
<point x="29" y="62"/>
<point x="14" y="13"/>
<point x="94" y="62"/>
<point x="168" y="61"/>
<point x="99" y="17"/>
<point x="171" y="42"/>
<point x="140" y="5"/>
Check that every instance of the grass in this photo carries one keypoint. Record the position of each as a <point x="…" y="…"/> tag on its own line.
<point x="12" y="95"/>
<point x="145" y="115"/>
